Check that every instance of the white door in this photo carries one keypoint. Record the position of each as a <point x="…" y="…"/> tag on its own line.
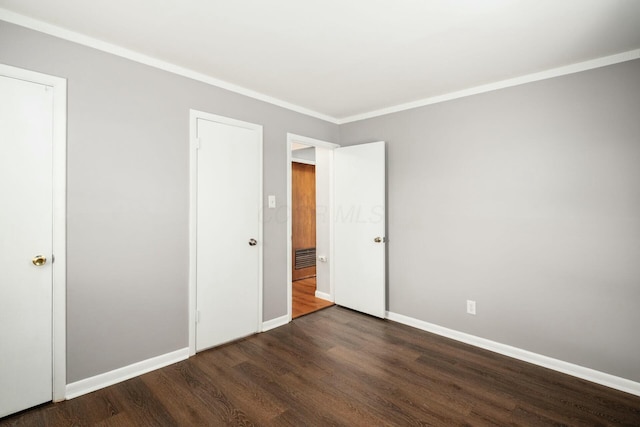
<point x="359" y="228"/>
<point x="26" y="126"/>
<point x="229" y="246"/>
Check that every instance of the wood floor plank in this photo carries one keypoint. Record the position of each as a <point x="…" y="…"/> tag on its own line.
<point x="227" y="355"/>
<point x="292" y="398"/>
<point x="32" y="417"/>
<point x="301" y="353"/>
<point x="339" y="367"/>
<point x="404" y="405"/>
<point x="219" y="409"/>
<point x="142" y="404"/>
<point x="349" y="413"/>
<point x="119" y="420"/>
<point x="414" y="383"/>
<point x="177" y="398"/>
<point x="239" y="391"/>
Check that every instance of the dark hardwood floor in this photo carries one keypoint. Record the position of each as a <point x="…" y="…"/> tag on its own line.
<point x="304" y="298"/>
<point x="338" y="367"/>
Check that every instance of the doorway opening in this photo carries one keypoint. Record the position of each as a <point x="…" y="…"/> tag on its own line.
<point x="303" y="237"/>
<point x="309" y="192"/>
<point x="304" y="300"/>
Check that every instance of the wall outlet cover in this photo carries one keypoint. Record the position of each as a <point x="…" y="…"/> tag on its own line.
<point x="471" y="307"/>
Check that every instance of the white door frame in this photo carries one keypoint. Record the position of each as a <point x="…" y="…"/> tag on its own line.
<point x="59" y="180"/>
<point x="194" y="115"/>
<point x="291" y="138"/>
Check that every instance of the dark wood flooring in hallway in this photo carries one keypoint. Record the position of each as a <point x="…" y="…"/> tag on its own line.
<point x="338" y="367"/>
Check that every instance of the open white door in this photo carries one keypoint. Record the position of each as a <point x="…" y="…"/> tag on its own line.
<point x="359" y="228"/>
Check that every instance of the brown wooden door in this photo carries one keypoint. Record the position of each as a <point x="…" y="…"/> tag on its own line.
<point x="303" y="209"/>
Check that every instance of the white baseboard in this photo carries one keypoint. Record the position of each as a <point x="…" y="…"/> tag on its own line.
<point x="274" y="323"/>
<point x="588" y="374"/>
<point x="323" y="296"/>
<point x="97" y="382"/>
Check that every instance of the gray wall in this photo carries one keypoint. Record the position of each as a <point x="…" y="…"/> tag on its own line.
<point x="128" y="197"/>
<point x="323" y="216"/>
<point x="526" y="200"/>
<point x="308" y="154"/>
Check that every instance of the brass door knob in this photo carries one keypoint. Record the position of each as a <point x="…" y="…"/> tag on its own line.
<point x="379" y="239"/>
<point x="253" y="242"/>
<point x="39" y="260"/>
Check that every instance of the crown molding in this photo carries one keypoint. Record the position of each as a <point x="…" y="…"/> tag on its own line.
<point x="516" y="81"/>
<point x="53" y="30"/>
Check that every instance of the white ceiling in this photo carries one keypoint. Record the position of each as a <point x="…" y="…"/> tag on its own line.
<point x="346" y="58"/>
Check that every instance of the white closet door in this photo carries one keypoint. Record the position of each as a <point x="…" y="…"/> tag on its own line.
<point x="228" y="228"/>
<point x="26" y="142"/>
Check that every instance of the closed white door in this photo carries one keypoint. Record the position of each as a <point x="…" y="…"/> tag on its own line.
<point x="26" y="126"/>
<point x="359" y="228"/>
<point x="228" y="247"/>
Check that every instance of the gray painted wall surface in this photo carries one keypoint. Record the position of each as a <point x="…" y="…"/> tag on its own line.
<point x="323" y="215"/>
<point x="526" y="200"/>
<point x="128" y="197"/>
<point x="308" y="154"/>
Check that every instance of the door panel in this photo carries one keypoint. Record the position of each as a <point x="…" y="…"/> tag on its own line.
<point x="26" y="126"/>
<point x="228" y="217"/>
<point x="303" y="214"/>
<point x="359" y="219"/>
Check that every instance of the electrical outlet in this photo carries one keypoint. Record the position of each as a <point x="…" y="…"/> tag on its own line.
<point x="471" y="307"/>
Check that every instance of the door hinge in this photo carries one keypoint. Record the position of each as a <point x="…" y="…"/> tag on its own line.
<point x="53" y="257"/>
<point x="197" y="143"/>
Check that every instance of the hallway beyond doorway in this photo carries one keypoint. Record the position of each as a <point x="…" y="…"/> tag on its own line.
<point x="304" y="299"/>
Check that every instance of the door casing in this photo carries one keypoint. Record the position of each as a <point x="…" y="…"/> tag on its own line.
<point x="194" y="115"/>
<point x="59" y="181"/>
